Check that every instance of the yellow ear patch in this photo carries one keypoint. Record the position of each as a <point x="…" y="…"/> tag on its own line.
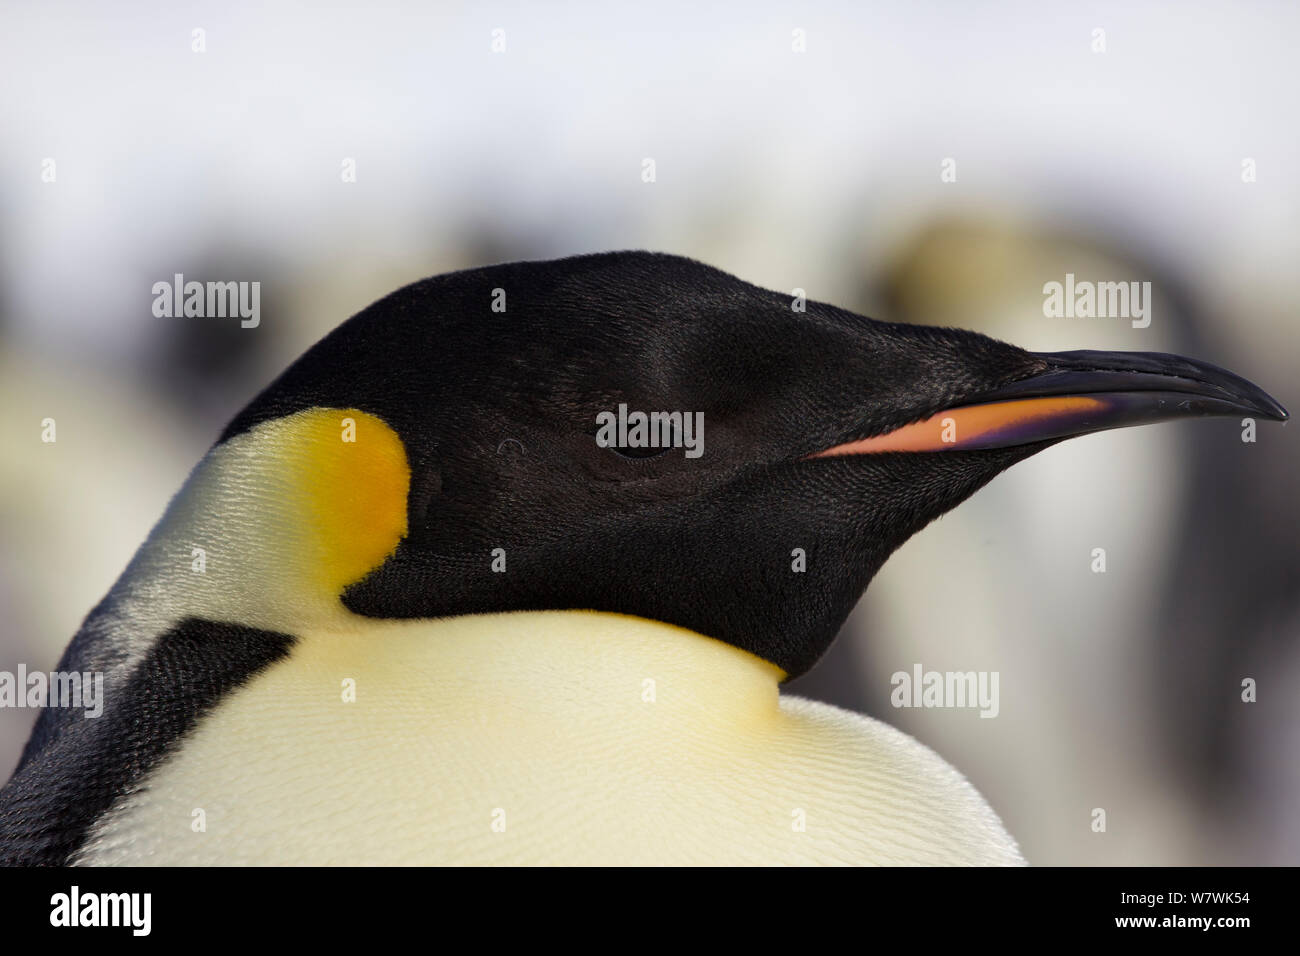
<point x="350" y="473"/>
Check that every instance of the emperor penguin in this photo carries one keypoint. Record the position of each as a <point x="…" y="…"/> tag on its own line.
<point x="509" y="567"/>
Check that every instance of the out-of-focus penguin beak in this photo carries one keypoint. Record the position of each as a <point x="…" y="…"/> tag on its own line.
<point x="1078" y="393"/>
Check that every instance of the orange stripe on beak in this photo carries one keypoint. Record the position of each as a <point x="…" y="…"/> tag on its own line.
<point x="977" y="426"/>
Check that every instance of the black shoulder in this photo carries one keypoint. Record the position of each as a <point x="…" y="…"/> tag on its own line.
<point x="57" y="794"/>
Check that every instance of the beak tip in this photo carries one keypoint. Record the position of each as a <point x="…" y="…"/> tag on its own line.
<point x="1154" y="369"/>
<point x="1271" y="408"/>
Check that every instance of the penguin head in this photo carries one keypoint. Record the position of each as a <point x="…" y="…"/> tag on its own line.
<point x="643" y="434"/>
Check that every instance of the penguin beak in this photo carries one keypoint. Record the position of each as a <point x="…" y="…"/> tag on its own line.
<point x="1078" y="393"/>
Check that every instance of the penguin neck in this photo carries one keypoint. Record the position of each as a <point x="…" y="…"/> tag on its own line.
<point x="581" y="660"/>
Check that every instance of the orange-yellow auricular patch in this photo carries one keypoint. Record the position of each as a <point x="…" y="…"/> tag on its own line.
<point x="349" y="472"/>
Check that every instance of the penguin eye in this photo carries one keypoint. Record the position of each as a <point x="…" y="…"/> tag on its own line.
<point x="637" y="439"/>
<point x="638" y="453"/>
